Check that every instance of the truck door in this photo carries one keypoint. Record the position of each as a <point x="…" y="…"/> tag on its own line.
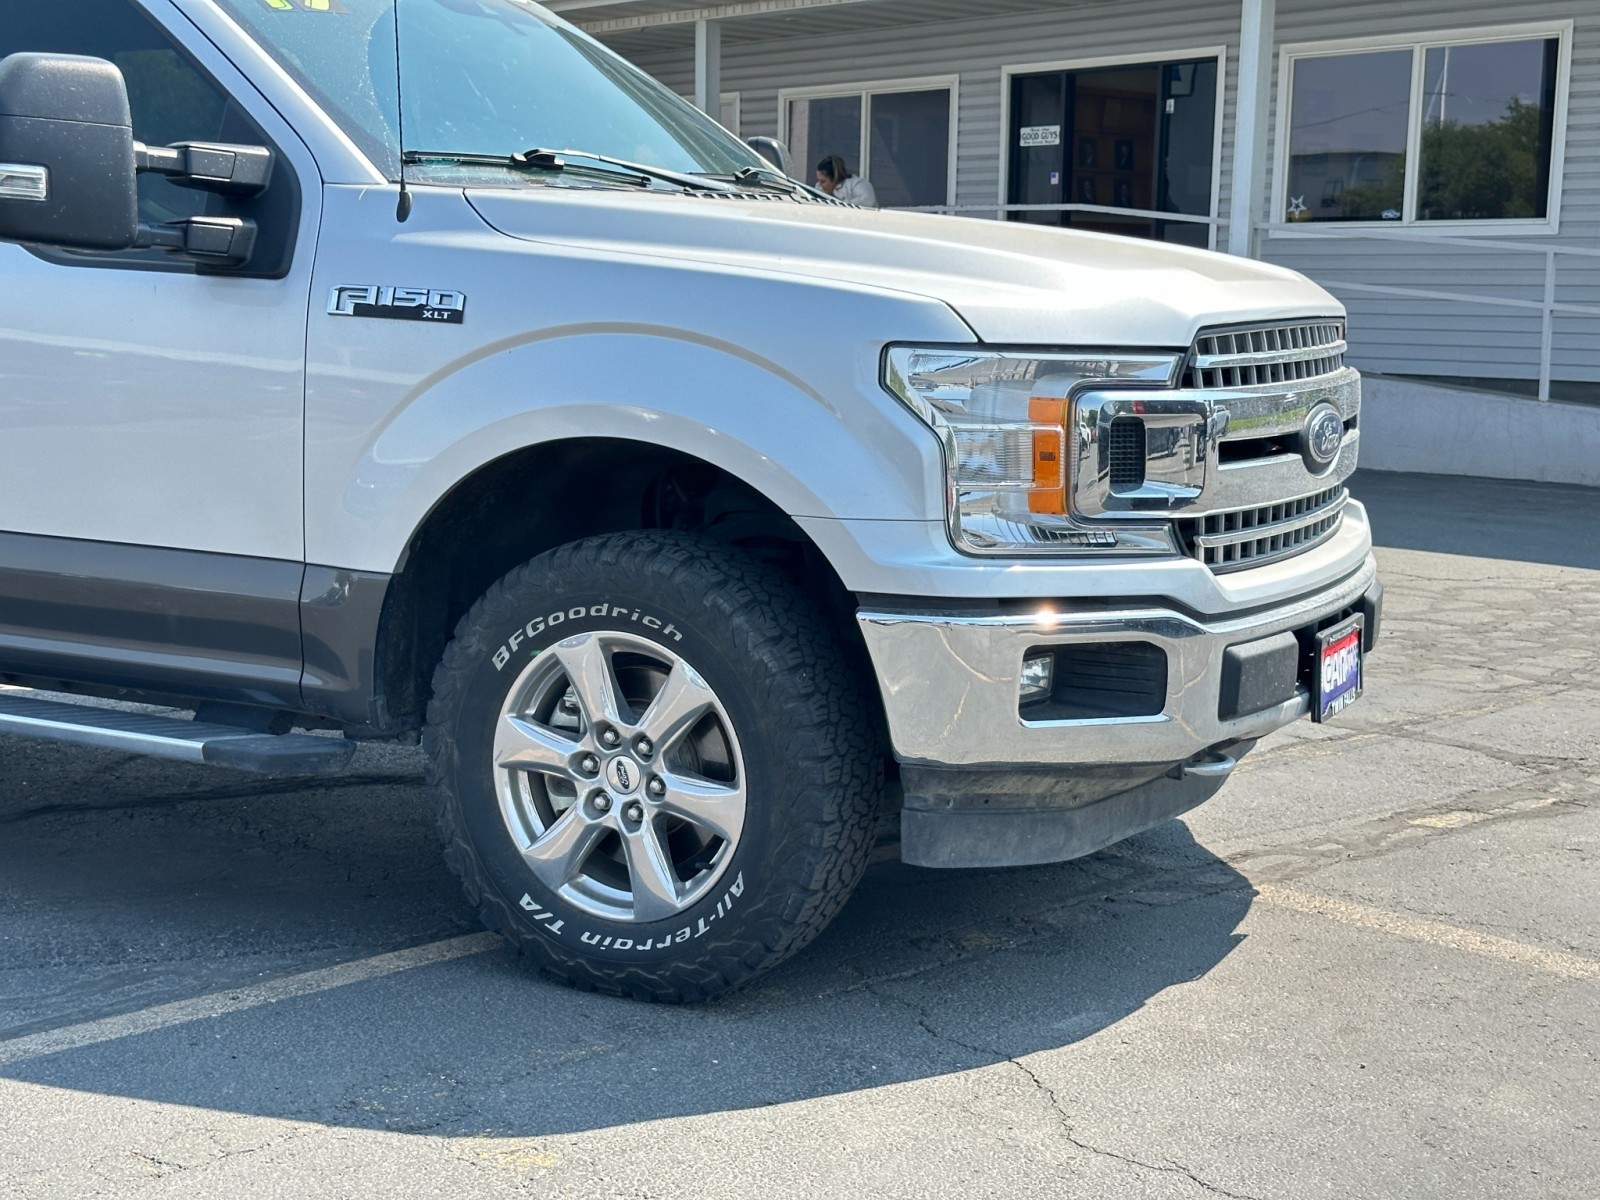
<point x="151" y="413"/>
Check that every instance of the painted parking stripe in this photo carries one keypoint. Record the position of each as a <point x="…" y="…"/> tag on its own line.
<point x="1436" y="933"/>
<point x="232" y="1000"/>
<point x="216" y="1004"/>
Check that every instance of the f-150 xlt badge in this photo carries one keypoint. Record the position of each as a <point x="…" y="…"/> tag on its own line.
<point x="398" y="304"/>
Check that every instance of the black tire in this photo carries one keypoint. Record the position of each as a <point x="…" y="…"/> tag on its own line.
<point x="802" y="726"/>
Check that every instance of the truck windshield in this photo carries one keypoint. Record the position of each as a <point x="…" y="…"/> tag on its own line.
<point x="481" y="77"/>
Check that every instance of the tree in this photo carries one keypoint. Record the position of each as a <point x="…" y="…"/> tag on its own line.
<point x="1492" y="171"/>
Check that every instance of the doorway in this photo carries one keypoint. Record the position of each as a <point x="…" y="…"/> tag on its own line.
<point x="1119" y="145"/>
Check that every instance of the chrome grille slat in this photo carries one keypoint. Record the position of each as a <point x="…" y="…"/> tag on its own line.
<point x="1286" y="353"/>
<point x="1287" y="519"/>
<point x="1231" y="541"/>
<point x="1296" y="354"/>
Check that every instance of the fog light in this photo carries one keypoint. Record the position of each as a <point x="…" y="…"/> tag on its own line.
<point x="1038" y="676"/>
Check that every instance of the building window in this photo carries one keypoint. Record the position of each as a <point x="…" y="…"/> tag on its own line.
<point x="898" y="137"/>
<point x="1457" y="129"/>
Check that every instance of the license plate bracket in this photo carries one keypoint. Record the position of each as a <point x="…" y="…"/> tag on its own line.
<point x="1339" y="669"/>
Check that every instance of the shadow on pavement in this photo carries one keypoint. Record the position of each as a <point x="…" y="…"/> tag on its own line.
<point x="125" y="884"/>
<point x="1489" y="518"/>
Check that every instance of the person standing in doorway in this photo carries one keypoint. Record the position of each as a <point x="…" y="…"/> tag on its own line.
<point x="835" y="178"/>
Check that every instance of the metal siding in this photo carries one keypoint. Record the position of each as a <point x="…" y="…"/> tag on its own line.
<point x="1388" y="334"/>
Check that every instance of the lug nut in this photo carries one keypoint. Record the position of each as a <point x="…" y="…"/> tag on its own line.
<point x="645" y="746"/>
<point x="634" y="812"/>
<point x="658" y="786"/>
<point x="610" y="737"/>
<point x="602" y="803"/>
<point x="589" y="765"/>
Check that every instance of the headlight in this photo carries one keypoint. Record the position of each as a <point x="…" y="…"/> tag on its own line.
<point x="1004" y="418"/>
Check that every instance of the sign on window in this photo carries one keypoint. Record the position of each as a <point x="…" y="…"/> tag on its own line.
<point x="1041" y="135"/>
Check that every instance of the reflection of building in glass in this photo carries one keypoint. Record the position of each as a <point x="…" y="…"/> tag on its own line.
<point x="1350" y="185"/>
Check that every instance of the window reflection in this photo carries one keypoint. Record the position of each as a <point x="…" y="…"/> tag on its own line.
<point x="818" y="128"/>
<point x="1347" y="137"/>
<point x="1484" y="130"/>
<point x="1487" y="120"/>
<point x="907" y="154"/>
<point x="910" y="148"/>
<point x="489" y="77"/>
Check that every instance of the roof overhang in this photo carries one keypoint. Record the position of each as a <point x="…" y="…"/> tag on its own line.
<point x="636" y="26"/>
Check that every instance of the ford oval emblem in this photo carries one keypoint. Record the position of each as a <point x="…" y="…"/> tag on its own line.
<point x="623" y="775"/>
<point x="1323" y="436"/>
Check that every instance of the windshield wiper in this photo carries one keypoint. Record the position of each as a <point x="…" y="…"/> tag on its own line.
<point x="555" y="160"/>
<point x="762" y="177"/>
<point x="776" y="180"/>
<point x="511" y="163"/>
<point x="604" y="166"/>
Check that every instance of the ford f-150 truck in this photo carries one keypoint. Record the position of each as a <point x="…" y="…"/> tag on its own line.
<point x="383" y="370"/>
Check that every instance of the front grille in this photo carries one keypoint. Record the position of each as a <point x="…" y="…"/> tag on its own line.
<point x="1264" y="354"/>
<point x="1249" y="537"/>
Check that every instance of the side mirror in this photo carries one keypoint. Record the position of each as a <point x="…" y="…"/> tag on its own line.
<point x="68" y="173"/>
<point x="774" y="151"/>
<point x="69" y="167"/>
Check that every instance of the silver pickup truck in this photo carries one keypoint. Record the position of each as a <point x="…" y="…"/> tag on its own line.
<point x="383" y="370"/>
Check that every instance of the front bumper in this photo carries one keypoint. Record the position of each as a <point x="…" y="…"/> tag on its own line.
<point x="975" y="766"/>
<point x="951" y="683"/>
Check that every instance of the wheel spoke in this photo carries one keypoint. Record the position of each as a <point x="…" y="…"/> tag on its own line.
<point x="655" y="887"/>
<point x="524" y="745"/>
<point x="560" y="852"/>
<point x="717" y="808"/>
<point x="588" y="667"/>
<point x="683" y="699"/>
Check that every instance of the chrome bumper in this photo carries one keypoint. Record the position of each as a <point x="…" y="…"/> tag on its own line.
<point x="951" y="683"/>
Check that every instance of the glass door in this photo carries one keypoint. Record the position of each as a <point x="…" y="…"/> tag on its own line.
<point x="1120" y="145"/>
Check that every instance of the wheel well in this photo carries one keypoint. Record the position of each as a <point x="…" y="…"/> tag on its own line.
<point x="544" y="496"/>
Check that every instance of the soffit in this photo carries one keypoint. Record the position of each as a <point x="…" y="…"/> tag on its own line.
<point x="641" y="26"/>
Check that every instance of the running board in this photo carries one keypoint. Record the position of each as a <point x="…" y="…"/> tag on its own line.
<point x="171" y="737"/>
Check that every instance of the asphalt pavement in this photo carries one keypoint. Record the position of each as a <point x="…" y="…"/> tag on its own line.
<point x="1370" y="967"/>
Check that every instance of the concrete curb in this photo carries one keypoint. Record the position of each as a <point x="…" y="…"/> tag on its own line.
<point x="1437" y="430"/>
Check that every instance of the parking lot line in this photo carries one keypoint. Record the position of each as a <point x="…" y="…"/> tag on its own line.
<point x="232" y="1000"/>
<point x="1437" y="933"/>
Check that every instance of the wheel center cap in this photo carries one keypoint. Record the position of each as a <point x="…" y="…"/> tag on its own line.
<point x="623" y="774"/>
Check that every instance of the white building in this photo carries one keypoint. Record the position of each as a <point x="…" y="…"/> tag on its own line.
<point x="1434" y="163"/>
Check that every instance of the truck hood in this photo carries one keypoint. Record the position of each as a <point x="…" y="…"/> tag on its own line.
<point x="1010" y="282"/>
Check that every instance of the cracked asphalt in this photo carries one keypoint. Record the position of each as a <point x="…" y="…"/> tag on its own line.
<point x="1369" y="968"/>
